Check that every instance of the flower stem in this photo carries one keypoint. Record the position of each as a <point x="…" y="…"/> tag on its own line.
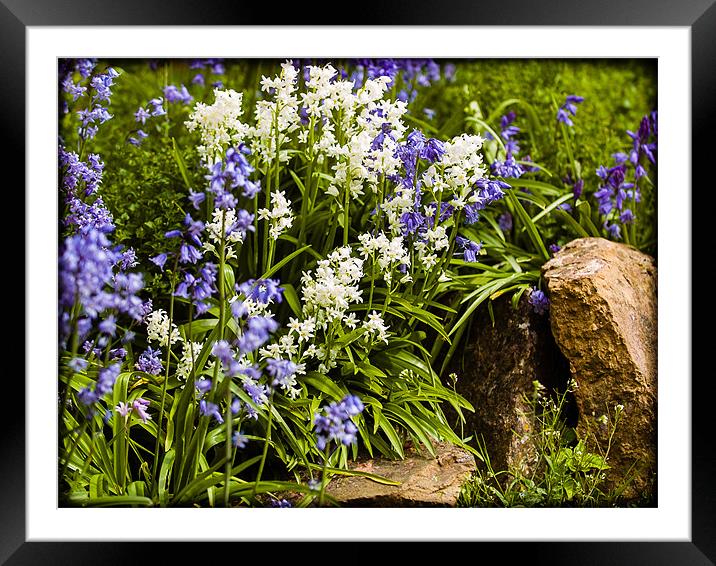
<point x="323" y="478"/>
<point x="155" y="464"/>
<point x="267" y="441"/>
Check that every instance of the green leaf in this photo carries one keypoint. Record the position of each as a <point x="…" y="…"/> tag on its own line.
<point x="529" y="225"/>
<point x="567" y="219"/>
<point x="289" y="293"/>
<point x="551" y="207"/>
<point x="180" y="162"/>
<point x="284" y="261"/>
<point x="412" y="425"/>
<point x="486" y="126"/>
<point x="298" y="182"/>
<point x="391" y="433"/>
<point x="544" y="189"/>
<point x="585" y="218"/>
<point x="324" y="384"/>
<point x="96" y="486"/>
<point x="165" y="470"/>
<point x="111" y="501"/>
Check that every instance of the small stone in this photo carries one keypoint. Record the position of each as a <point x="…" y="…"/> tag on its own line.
<point x="424" y="481"/>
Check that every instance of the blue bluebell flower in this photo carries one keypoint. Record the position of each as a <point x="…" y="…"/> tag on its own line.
<point x="150" y="361"/>
<point x="539" y="301"/>
<point x="470" y="249"/>
<point x="335" y="422"/>
<point x="262" y="290"/>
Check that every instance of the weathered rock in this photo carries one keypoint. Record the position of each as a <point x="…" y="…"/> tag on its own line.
<point x="604" y="319"/>
<point x="501" y="361"/>
<point x="424" y="481"/>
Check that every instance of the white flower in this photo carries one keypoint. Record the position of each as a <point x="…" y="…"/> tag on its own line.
<point x="376" y="327"/>
<point x="219" y="124"/>
<point x="190" y="354"/>
<point x="350" y="320"/>
<point x="328" y="293"/>
<point x="310" y="352"/>
<point x="305" y="329"/>
<point x="280" y="216"/>
<point x="158" y="328"/>
<point x="213" y="228"/>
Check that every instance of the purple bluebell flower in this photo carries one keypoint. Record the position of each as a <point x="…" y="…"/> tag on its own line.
<point x="578" y="188"/>
<point x="411" y="222"/>
<point x="239" y="440"/>
<point x="257" y="391"/>
<point x="140" y="406"/>
<point x="569" y="108"/>
<point x="256" y="333"/>
<point x="159" y="260"/>
<point x="108" y="325"/>
<point x="509" y="168"/>
<point x="222" y="350"/>
<point x="626" y="217"/>
<point x="208" y="409"/>
<point x="539" y="301"/>
<point x="262" y="290"/>
<point x="203" y="386"/>
<point x="505" y="222"/>
<point x="470" y="249"/>
<point x="77" y="364"/>
<point x="281" y="371"/>
<point x="614" y="230"/>
<point x="150" y="361"/>
<point x="238" y="309"/>
<point x="141" y="115"/>
<point x="554" y="248"/>
<point x="157" y="107"/>
<point x="105" y="383"/>
<point x="433" y="150"/>
<point x="174" y="94"/>
<point x="336" y="422"/>
<point x="196" y="198"/>
<point x="123" y="409"/>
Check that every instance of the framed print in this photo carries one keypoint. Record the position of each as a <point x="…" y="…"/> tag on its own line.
<point x="290" y="246"/>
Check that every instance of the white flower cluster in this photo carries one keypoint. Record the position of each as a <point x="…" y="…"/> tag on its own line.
<point x="280" y="215"/>
<point x="285" y="347"/>
<point x="387" y="253"/>
<point x="460" y="167"/>
<point x="305" y="329"/>
<point x="214" y="228"/>
<point x="189" y="356"/>
<point x="219" y="124"/>
<point x="348" y="124"/>
<point x="278" y="117"/>
<point x="402" y="201"/>
<point x="158" y="328"/>
<point x="375" y="326"/>
<point x="329" y="292"/>
<point x="158" y="331"/>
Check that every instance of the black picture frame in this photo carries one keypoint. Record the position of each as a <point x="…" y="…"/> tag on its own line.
<point x="698" y="15"/>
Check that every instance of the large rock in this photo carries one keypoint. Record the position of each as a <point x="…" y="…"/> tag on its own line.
<point x="424" y="481"/>
<point x="503" y="356"/>
<point x="604" y="318"/>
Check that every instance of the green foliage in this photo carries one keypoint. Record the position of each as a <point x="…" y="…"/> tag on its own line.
<point x="564" y="473"/>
